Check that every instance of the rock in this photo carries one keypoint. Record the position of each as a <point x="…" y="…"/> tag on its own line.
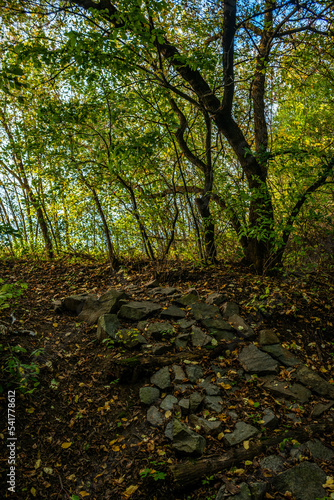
<point x="295" y="392"/>
<point x="255" y="361"/>
<point x="107" y="326"/>
<point x="204" y="311"/>
<point x="273" y="463"/>
<point x="210" y="389"/>
<point x="187" y="441"/>
<point x="303" y="481"/>
<point x="270" y="420"/>
<point x="221" y="495"/>
<point x="318" y="450"/>
<point x="184" y="405"/>
<point x="258" y="490"/>
<point x="216" y="324"/>
<point x="179" y="374"/>
<point x="148" y="395"/>
<point x="75" y="303"/>
<point x="229" y="309"/>
<point x="161" y="349"/>
<point x="241" y="433"/>
<point x="320" y="408"/>
<point x="244" y="493"/>
<point x="161" y="331"/>
<point x="172" y="312"/>
<point x="142" y="325"/>
<point x="215" y="299"/>
<point x="199" y="338"/>
<point x="195" y="401"/>
<point x="183" y="387"/>
<point x="182" y="340"/>
<point x="154" y="417"/>
<point x="131" y="338"/>
<point x="161" y="378"/>
<point x="185" y="323"/>
<point x="135" y="311"/>
<point x="243" y="330"/>
<point x="169" y="430"/>
<point x="213" y="403"/>
<point x="194" y="372"/>
<point x="188" y="299"/>
<point x="151" y="284"/>
<point x="208" y="426"/>
<point x="108" y="303"/>
<point x="316" y="383"/>
<point x="163" y="290"/>
<point x="268" y="337"/>
<point x="284" y="356"/>
<point x="168" y="403"/>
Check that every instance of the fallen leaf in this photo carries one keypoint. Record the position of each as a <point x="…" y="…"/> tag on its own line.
<point x="66" y="445"/>
<point x="130" y="491"/>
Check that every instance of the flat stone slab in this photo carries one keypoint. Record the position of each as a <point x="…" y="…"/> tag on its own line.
<point x="316" y="383"/>
<point x="213" y="403"/>
<point x="215" y="299"/>
<point x="230" y="308"/>
<point x="304" y="482"/>
<point x="75" y="303"/>
<point x="107" y="326"/>
<point x="148" y="395"/>
<point x="161" y="378"/>
<point x="208" y="426"/>
<point x="241" y="433"/>
<point x="284" y="356"/>
<point x="187" y="300"/>
<point x="168" y="290"/>
<point x="154" y="417"/>
<point x="161" y="331"/>
<point x="199" y="338"/>
<point x="172" y="312"/>
<point x="282" y="389"/>
<point x="168" y="402"/>
<point x="108" y="303"/>
<point x="194" y="372"/>
<point x="186" y="441"/>
<point x="273" y="463"/>
<point x="268" y="337"/>
<point x="137" y="311"/>
<point x="205" y="311"/>
<point x="318" y="450"/>
<point x="241" y="326"/>
<point x="255" y="361"/>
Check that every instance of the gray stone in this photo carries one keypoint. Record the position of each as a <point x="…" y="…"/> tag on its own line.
<point x="215" y="299"/>
<point x="270" y="420"/>
<point x="185" y="323"/>
<point x="295" y="392"/>
<point x="184" y="405"/>
<point x="241" y="433"/>
<point x="187" y="441"/>
<point x="210" y="389"/>
<point x="107" y="326"/>
<point x="258" y="490"/>
<point x="160" y="349"/>
<point x="142" y="325"/>
<point x="183" y="387"/>
<point x="75" y="303"/>
<point x="304" y="482"/>
<point x="168" y="403"/>
<point x="151" y="284"/>
<point x="163" y="290"/>
<point x="241" y="326"/>
<point x="213" y="403"/>
<point x="320" y="408"/>
<point x="318" y="450"/>
<point x="136" y="311"/>
<point x="316" y="383"/>
<point x="255" y="361"/>
<point x="221" y="495"/>
<point x="161" y="331"/>
<point x="244" y="493"/>
<point x="229" y="309"/>
<point x="216" y="324"/>
<point x="173" y="312"/>
<point x="161" y="378"/>
<point x="195" y="400"/>
<point x="204" y="311"/>
<point x="154" y="417"/>
<point x="268" y="337"/>
<point x="194" y="372"/>
<point x="130" y="338"/>
<point x="282" y="355"/>
<point x="208" y="426"/>
<point x="169" y="430"/>
<point x="148" y="395"/>
<point x="182" y="340"/>
<point x="108" y="303"/>
<point x="199" y="338"/>
<point x="273" y="463"/>
<point x="179" y="374"/>
<point x="188" y="299"/>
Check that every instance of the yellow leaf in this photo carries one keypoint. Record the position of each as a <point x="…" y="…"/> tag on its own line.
<point x="33" y="491"/>
<point x="248" y="462"/>
<point x="130" y="491"/>
<point x="226" y="387"/>
<point x="239" y="471"/>
<point x="115" y="448"/>
<point x="323" y="369"/>
<point x="30" y="410"/>
<point x="66" y="445"/>
<point x="55" y="325"/>
<point x="168" y="413"/>
<point x="76" y="399"/>
<point x="38" y="463"/>
<point x="246" y="445"/>
<point x="220" y="436"/>
<point x="71" y="477"/>
<point x="84" y="493"/>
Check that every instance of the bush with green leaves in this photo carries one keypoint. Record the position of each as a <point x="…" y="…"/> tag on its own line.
<point x="10" y="292"/>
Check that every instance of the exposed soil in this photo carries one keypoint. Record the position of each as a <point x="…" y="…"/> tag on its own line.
<point x="80" y="432"/>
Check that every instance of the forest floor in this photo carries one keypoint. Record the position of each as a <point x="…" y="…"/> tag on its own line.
<point x="80" y="433"/>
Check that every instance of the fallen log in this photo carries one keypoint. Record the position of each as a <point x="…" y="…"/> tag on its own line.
<point x="186" y="475"/>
